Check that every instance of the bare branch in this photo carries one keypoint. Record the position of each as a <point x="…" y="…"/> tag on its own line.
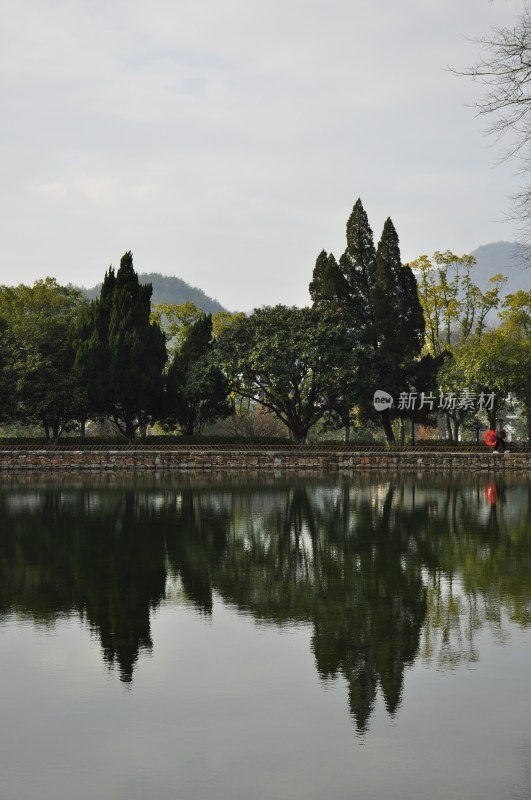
<point x="505" y="72"/>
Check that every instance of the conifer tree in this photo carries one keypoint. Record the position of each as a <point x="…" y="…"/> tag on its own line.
<point x="377" y="299"/>
<point x="358" y="269"/>
<point x="196" y="389"/>
<point x="399" y="323"/>
<point x="326" y="279"/>
<point x="398" y="316"/>
<point x="120" y="353"/>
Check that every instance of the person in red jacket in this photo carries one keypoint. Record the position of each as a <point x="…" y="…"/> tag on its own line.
<point x="490" y="437"/>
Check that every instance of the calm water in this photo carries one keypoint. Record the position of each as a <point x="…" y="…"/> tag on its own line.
<point x="194" y="638"/>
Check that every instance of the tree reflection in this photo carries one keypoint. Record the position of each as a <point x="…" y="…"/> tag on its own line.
<point x="384" y="568"/>
<point x="338" y="560"/>
<point x="481" y="575"/>
<point x="95" y="554"/>
<point x="196" y="535"/>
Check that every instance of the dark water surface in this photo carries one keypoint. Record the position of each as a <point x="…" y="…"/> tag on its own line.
<point x="273" y="637"/>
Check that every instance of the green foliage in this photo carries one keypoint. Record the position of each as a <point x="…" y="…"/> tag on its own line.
<point x="376" y="299"/>
<point x="293" y="361"/>
<point x="455" y="310"/>
<point x="398" y="316"/>
<point x="120" y="353"/>
<point x="37" y="354"/>
<point x="176" y="321"/>
<point x="225" y="319"/>
<point x="326" y="279"/>
<point x="196" y="388"/>
<point x="498" y="361"/>
<point x="5" y="383"/>
<point x="356" y="279"/>
<point x="454" y="307"/>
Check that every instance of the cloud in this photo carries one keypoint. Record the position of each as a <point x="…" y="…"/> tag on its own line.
<point x="50" y="190"/>
<point x="227" y="142"/>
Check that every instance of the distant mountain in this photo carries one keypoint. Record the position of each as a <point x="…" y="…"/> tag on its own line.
<point x="507" y="258"/>
<point x="169" y="289"/>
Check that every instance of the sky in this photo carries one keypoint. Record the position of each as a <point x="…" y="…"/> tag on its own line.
<point x="227" y="142"/>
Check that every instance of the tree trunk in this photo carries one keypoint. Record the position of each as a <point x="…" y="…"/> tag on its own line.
<point x="388" y="428"/>
<point x="493" y="414"/>
<point x="449" y="430"/>
<point x="402" y="431"/>
<point x="299" y="433"/>
<point x="346" y="437"/>
<point x="56" y="432"/>
<point x="129" y="430"/>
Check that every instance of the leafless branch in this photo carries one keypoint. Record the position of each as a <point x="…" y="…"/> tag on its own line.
<point x="505" y="72"/>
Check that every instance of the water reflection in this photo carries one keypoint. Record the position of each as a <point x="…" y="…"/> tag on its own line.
<point x="386" y="569"/>
<point x="94" y="554"/>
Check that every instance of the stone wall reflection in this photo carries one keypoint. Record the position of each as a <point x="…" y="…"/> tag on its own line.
<point x="386" y="569"/>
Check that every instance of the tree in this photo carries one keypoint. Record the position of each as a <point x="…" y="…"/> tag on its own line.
<point x="455" y="310"/>
<point x="454" y="307"/>
<point x="376" y="299"/>
<point x="176" y="321"/>
<point x="400" y="326"/>
<point x="398" y="315"/>
<point x="196" y="388"/>
<point x="515" y="333"/>
<point x="120" y="353"/>
<point x="38" y="355"/>
<point x="292" y="361"/>
<point x="225" y="319"/>
<point x="496" y="362"/>
<point x="324" y="288"/>
<point x="474" y="368"/>
<point x="326" y="279"/>
<point x="504" y="71"/>
<point x="356" y="279"/>
<point x="5" y="394"/>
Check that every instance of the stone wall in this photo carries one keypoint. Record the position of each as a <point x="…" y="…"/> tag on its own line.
<point x="287" y="458"/>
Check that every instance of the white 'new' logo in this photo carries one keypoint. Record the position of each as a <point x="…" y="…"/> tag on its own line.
<point x="382" y="400"/>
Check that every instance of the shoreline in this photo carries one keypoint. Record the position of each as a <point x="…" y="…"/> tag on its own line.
<point x="234" y="458"/>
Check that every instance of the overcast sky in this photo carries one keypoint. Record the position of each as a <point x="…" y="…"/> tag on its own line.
<point x="226" y="142"/>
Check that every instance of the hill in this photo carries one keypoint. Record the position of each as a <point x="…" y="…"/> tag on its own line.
<point x="169" y="289"/>
<point x="507" y="258"/>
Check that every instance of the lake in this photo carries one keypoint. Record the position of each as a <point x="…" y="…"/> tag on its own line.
<point x="273" y="636"/>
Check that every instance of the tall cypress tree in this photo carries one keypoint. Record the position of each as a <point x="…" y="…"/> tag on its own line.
<point x="377" y="299"/>
<point x="90" y="340"/>
<point x="326" y="280"/>
<point x="196" y="389"/>
<point x="120" y="353"/>
<point x="347" y="288"/>
<point x="357" y="266"/>
<point x="399" y="322"/>
<point x="398" y="316"/>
